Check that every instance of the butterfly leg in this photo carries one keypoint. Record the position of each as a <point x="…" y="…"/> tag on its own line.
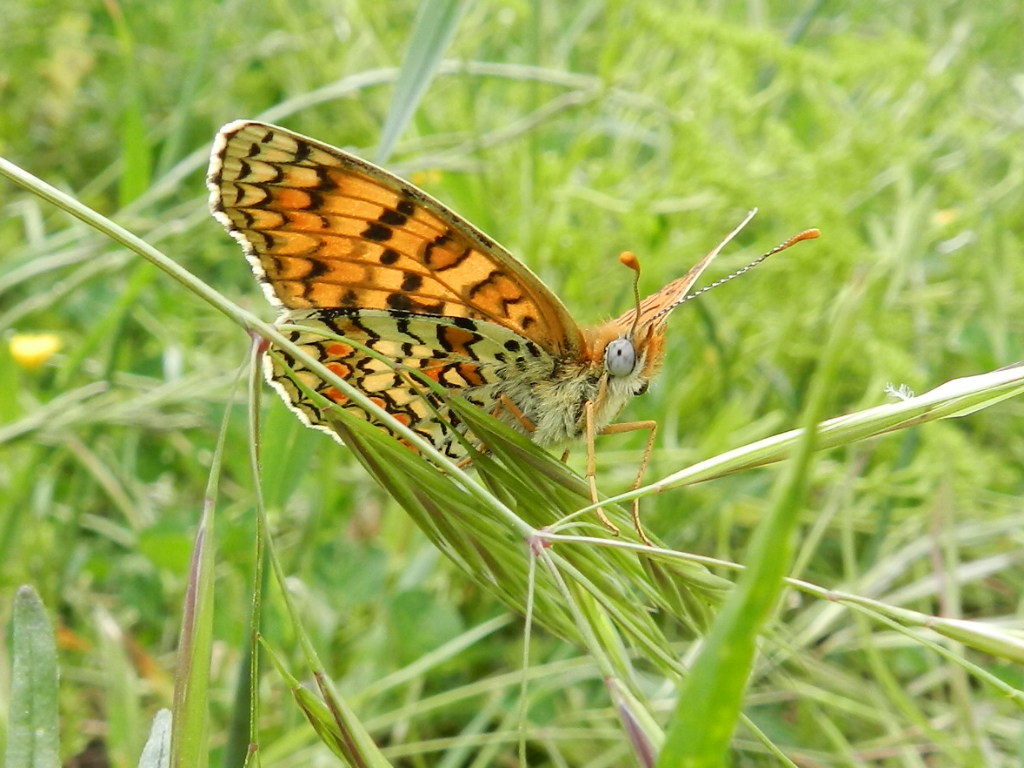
<point x="506" y="402"/>
<point x="633" y="426"/>
<point x="588" y="410"/>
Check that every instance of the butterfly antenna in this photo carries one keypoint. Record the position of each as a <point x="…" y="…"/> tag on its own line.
<point x="807" y="234"/>
<point x="629" y="259"/>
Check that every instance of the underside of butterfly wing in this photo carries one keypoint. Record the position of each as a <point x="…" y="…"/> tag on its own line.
<point x="392" y="357"/>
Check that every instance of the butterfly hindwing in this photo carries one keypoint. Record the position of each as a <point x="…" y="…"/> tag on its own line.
<point x="392" y="357"/>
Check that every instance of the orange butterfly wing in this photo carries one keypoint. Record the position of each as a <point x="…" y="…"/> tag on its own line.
<point x="326" y="230"/>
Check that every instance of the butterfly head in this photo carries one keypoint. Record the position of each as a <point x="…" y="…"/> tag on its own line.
<point x="631" y="347"/>
<point x="622" y="353"/>
<point x="626" y="361"/>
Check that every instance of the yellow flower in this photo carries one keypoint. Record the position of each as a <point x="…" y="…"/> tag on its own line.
<point x="425" y="178"/>
<point x="31" y="350"/>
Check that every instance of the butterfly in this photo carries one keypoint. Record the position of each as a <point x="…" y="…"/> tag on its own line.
<point x="352" y="253"/>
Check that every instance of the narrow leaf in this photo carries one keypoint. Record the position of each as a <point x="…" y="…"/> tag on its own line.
<point x="33" y="740"/>
<point x="433" y="29"/>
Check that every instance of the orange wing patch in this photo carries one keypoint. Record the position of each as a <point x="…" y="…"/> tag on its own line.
<point x="326" y="230"/>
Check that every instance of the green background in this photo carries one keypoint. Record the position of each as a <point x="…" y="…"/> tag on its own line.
<point x="569" y="132"/>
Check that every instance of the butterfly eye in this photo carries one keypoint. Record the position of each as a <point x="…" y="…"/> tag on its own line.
<point x="620" y="357"/>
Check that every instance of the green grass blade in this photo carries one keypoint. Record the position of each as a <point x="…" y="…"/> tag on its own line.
<point x="711" y="699"/>
<point x="953" y="399"/>
<point x="243" y="728"/>
<point x="157" y="751"/>
<point x="190" y="715"/>
<point x="335" y="722"/>
<point x="32" y="737"/>
<point x="136" y="165"/>
<point x="432" y="31"/>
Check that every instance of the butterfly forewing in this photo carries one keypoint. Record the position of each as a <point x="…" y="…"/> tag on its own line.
<point x="326" y="230"/>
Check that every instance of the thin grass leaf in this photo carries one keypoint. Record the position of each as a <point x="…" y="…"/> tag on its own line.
<point x="190" y="718"/>
<point x="136" y="166"/>
<point x="121" y="688"/>
<point x="335" y="722"/>
<point x="432" y="32"/>
<point x="642" y="730"/>
<point x="157" y="751"/>
<point x="711" y="698"/>
<point x="313" y="708"/>
<point x="1003" y="644"/>
<point x="33" y="732"/>
<point x="243" y="730"/>
<point x="73" y="400"/>
<point x="953" y="399"/>
<point x="332" y="718"/>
